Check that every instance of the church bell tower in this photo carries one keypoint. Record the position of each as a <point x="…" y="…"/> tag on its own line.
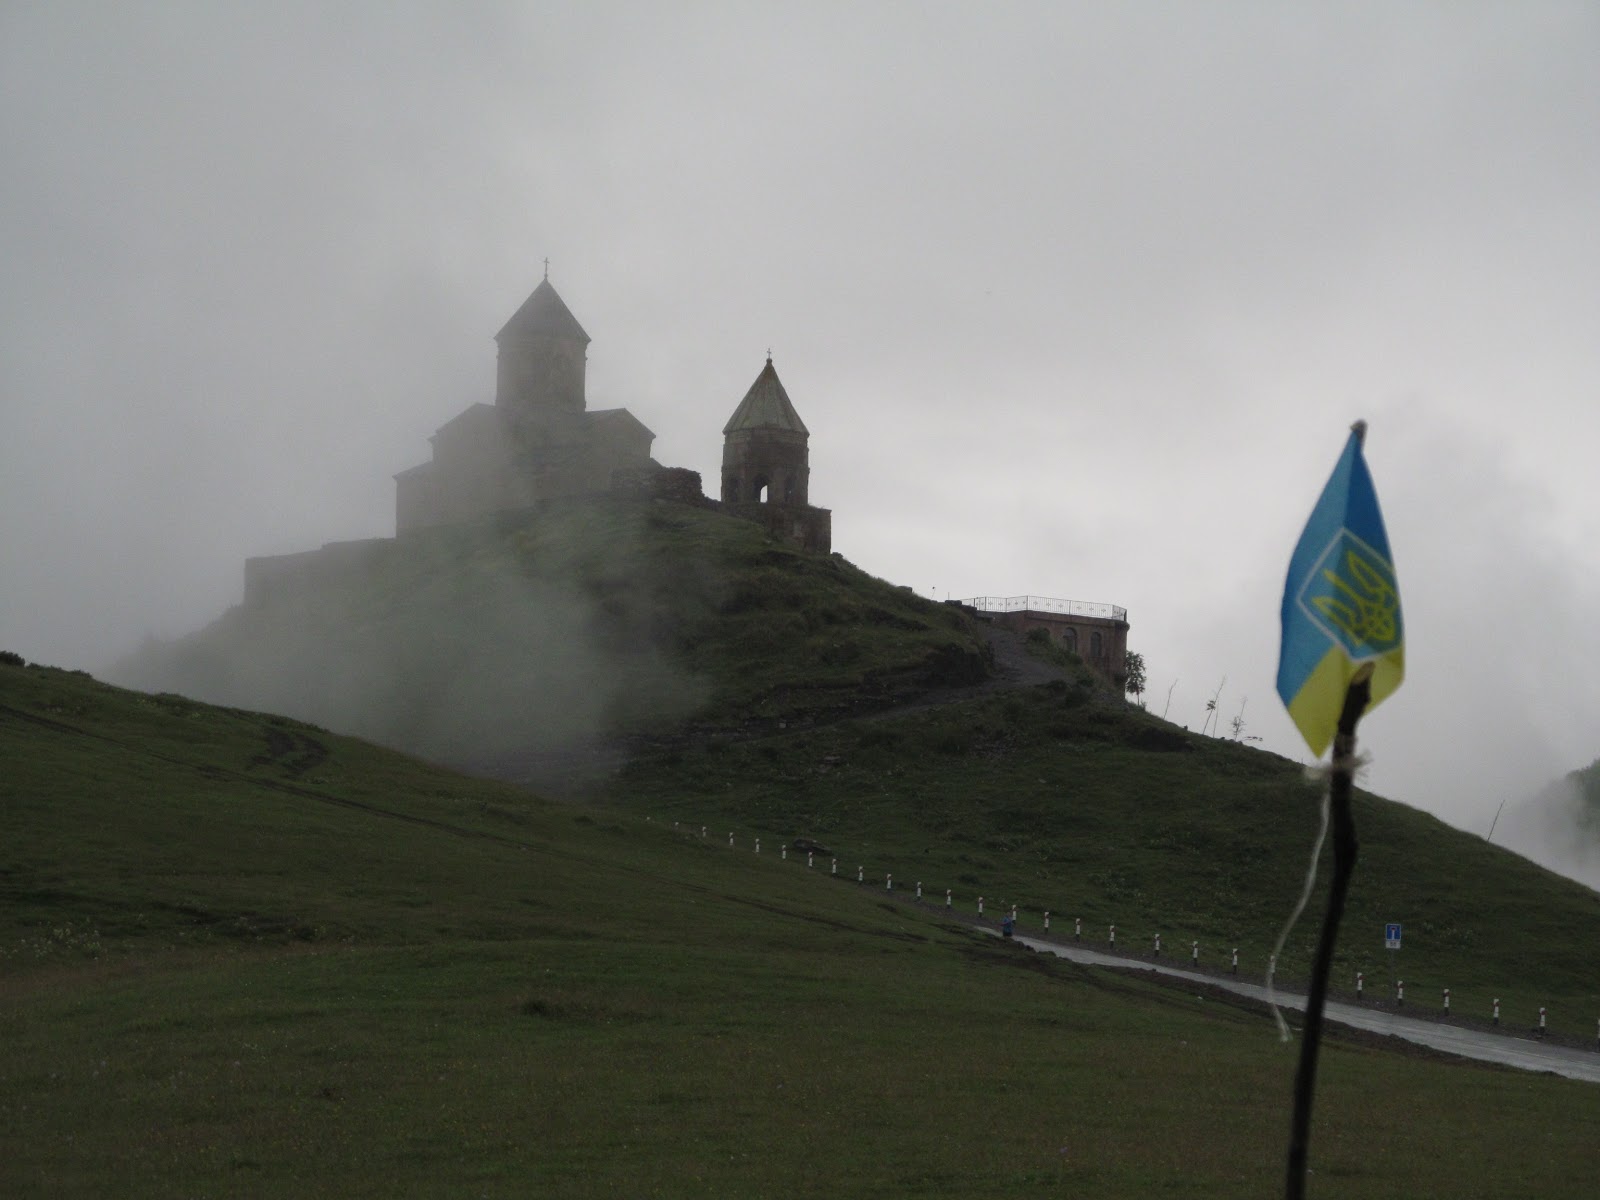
<point x="765" y="448"/>
<point x="766" y="469"/>
<point x="543" y="352"/>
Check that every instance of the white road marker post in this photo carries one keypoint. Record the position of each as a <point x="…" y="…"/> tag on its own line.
<point x="1399" y="993"/>
<point x="836" y="866"/>
<point x="758" y="845"/>
<point x="810" y="858"/>
<point x="1361" y="982"/>
<point x="1047" y="920"/>
<point x="730" y="839"/>
<point x="1158" y="945"/>
<point x="888" y="882"/>
<point x="1194" y="954"/>
<point x="980" y="906"/>
<point x="1113" y="937"/>
<point x="1077" y="928"/>
<point x="1013" y="912"/>
<point x="1541" y="1020"/>
<point x="947" y="901"/>
<point x="783" y="852"/>
<point x="919" y="889"/>
<point x="1447" y="1002"/>
<point x="861" y="874"/>
<point x="1236" y="960"/>
<point x="1497" y="1010"/>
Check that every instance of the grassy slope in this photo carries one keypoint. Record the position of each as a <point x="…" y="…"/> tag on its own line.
<point x="1091" y="809"/>
<point x="475" y="645"/>
<point x="243" y="956"/>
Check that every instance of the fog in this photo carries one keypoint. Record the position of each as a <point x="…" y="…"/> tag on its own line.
<point x="1077" y="300"/>
<point x="517" y="651"/>
<point x="1559" y="828"/>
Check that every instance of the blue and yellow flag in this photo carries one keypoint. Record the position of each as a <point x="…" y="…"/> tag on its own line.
<point x="1341" y="604"/>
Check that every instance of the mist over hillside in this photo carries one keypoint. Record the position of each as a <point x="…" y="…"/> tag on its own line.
<point x="1559" y="827"/>
<point x="561" y="628"/>
<point x="536" y="647"/>
<point x="459" y="647"/>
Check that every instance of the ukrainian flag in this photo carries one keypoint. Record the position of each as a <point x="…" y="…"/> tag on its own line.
<point x="1341" y="604"/>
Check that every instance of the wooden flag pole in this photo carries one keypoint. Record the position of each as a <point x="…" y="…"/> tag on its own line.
<point x="1341" y="781"/>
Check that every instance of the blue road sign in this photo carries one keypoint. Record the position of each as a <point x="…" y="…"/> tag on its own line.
<point x="1391" y="937"/>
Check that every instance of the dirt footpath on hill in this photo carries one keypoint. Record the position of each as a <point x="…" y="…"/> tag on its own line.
<point x="1014" y="666"/>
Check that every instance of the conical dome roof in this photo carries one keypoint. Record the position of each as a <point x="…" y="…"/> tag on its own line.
<point x="766" y="406"/>
<point x="543" y="313"/>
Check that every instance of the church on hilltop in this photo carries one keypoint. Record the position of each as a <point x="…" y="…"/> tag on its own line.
<point x="540" y="442"/>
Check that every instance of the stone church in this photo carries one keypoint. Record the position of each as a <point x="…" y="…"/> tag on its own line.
<point x="539" y="442"/>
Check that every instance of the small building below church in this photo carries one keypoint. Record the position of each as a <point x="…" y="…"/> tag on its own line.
<point x="1096" y="633"/>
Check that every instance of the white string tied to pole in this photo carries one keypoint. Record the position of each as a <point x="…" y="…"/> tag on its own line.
<point x="1353" y="764"/>
<point x="1300" y="907"/>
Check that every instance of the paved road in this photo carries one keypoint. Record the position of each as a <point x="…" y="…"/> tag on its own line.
<point x="1468" y="1043"/>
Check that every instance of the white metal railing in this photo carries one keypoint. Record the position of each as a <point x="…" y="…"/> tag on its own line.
<point x="1072" y="608"/>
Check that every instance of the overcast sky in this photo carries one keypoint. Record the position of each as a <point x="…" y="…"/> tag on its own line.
<point x="1077" y="299"/>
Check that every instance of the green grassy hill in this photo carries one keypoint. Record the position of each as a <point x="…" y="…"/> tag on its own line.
<point x="758" y="687"/>
<point x="243" y="956"/>
<point x="1093" y="810"/>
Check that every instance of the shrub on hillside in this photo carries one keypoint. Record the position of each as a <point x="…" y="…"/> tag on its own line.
<point x="954" y="665"/>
